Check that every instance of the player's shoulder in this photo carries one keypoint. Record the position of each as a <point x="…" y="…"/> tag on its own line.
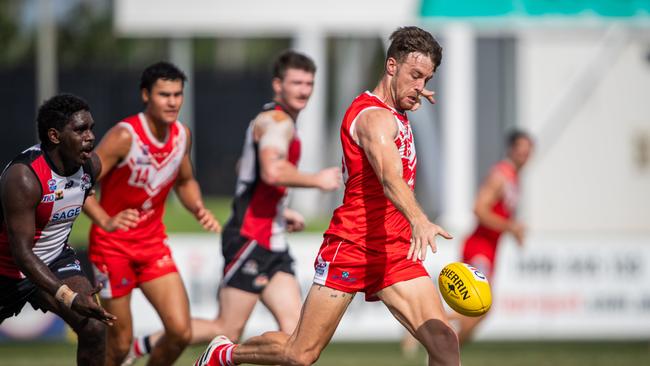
<point x="505" y="169"/>
<point x="375" y="113"/>
<point x="496" y="177"/>
<point x="121" y="132"/>
<point x="25" y="160"/>
<point x="277" y="116"/>
<point x="116" y="142"/>
<point x="272" y="120"/>
<point x="20" y="178"/>
<point x="27" y="156"/>
<point x="180" y="127"/>
<point x="376" y="118"/>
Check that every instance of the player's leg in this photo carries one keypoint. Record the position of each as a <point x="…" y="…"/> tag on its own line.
<point x="245" y="277"/>
<point x="282" y="297"/>
<point x="235" y="307"/>
<point x="91" y="333"/>
<point x="116" y="275"/>
<point x="119" y="336"/>
<point x="466" y="327"/>
<point x="321" y="314"/>
<point x="416" y="304"/>
<point x="282" y="294"/>
<point x="237" y="296"/>
<point x="168" y="297"/>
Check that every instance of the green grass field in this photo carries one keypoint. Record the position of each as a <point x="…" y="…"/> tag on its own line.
<point x="388" y="354"/>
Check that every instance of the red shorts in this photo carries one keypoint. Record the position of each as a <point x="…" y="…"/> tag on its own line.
<point x="480" y="252"/>
<point x="122" y="266"/>
<point x="350" y="267"/>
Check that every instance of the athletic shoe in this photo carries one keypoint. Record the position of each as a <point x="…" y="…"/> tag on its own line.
<point x="218" y="353"/>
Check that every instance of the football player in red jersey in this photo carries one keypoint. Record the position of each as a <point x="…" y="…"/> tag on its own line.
<point x="143" y="157"/>
<point x="257" y="262"/>
<point x="379" y="236"/>
<point x="494" y="208"/>
<point x="41" y="194"/>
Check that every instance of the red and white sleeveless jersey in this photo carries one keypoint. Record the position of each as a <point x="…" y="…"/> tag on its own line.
<point x="258" y="207"/>
<point x="507" y="205"/>
<point x="62" y="198"/>
<point x="366" y="216"/>
<point x="142" y="180"/>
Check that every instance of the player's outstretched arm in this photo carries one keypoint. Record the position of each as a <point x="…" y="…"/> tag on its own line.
<point x="21" y="193"/>
<point x="273" y="132"/>
<point x="189" y="192"/>
<point x="489" y="194"/>
<point x="375" y="132"/>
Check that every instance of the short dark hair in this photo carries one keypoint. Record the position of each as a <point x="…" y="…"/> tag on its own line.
<point x="516" y="134"/>
<point x="56" y="112"/>
<point x="413" y="39"/>
<point x="290" y="59"/>
<point x="160" y="70"/>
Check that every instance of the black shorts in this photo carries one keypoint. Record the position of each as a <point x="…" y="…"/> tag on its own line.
<point x="250" y="267"/>
<point x="14" y="293"/>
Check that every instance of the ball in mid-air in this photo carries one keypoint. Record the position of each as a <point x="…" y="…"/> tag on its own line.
<point x="465" y="289"/>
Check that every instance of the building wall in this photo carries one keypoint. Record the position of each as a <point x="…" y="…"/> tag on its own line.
<point x="591" y="172"/>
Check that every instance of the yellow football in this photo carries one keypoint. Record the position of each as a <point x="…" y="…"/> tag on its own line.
<point x="465" y="289"/>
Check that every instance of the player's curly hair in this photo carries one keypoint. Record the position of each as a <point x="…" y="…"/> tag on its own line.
<point x="291" y="59"/>
<point x="413" y="39"/>
<point x="56" y="112"/>
<point x="160" y="70"/>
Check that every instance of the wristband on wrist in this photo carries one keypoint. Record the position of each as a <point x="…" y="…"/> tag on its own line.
<point x="65" y="295"/>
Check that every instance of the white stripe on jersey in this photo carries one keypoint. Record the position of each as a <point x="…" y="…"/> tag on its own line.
<point x="67" y="204"/>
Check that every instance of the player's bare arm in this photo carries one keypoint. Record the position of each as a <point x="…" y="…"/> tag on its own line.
<point x="189" y="192"/>
<point x="111" y="150"/>
<point x="21" y="193"/>
<point x="273" y="132"/>
<point x="375" y="132"/>
<point x="491" y="191"/>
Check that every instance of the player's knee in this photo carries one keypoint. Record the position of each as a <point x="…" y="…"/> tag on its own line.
<point x="179" y="334"/>
<point x="92" y="332"/>
<point x="120" y="346"/>
<point x="447" y="340"/>
<point x="441" y="342"/>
